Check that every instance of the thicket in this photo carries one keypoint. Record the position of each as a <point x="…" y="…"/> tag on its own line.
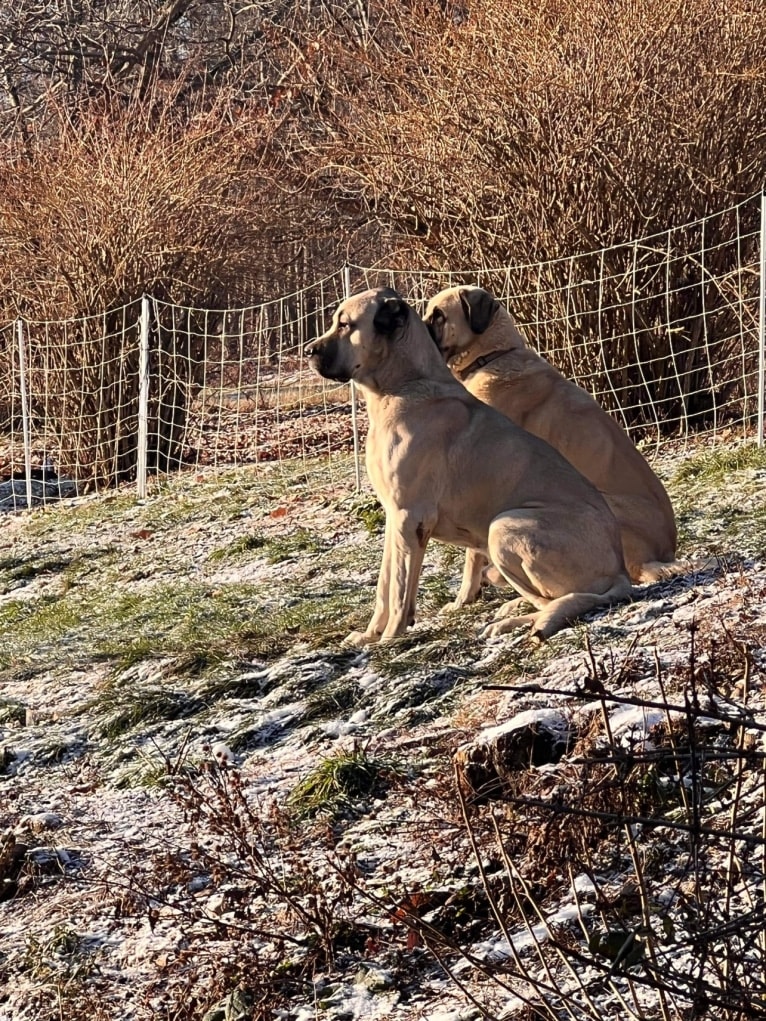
<point x="230" y="152"/>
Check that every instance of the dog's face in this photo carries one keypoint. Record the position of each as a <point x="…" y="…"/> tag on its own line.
<point x="457" y="316"/>
<point x="358" y="340"/>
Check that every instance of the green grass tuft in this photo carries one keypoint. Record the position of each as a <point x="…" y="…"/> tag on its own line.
<point x="332" y="699"/>
<point x="243" y="544"/>
<point x="12" y="711"/>
<point x="369" y="511"/>
<point x="117" y="711"/>
<point x="301" y="542"/>
<point x="716" y="465"/>
<point x="339" y="783"/>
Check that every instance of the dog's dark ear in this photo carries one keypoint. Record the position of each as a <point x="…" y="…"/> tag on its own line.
<point x="435" y="325"/>
<point x="479" y="307"/>
<point x="391" y="313"/>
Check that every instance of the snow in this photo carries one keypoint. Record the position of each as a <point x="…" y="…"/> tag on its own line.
<point x="132" y="876"/>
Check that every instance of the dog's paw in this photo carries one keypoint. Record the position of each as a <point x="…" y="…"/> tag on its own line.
<point x="502" y="625"/>
<point x="509" y="609"/>
<point x="456" y="604"/>
<point x="498" y="628"/>
<point x="492" y="631"/>
<point x="361" y="638"/>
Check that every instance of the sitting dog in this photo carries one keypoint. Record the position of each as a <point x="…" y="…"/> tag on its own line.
<point x="447" y="466"/>
<point x="484" y="349"/>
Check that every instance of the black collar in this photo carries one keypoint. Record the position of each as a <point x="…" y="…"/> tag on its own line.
<point x="480" y="362"/>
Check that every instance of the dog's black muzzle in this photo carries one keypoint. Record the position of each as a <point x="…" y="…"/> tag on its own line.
<point x="323" y="357"/>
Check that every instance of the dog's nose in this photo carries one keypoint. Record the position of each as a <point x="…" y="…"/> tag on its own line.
<point x="310" y="349"/>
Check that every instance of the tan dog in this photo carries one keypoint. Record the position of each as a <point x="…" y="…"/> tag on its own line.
<point x="485" y="350"/>
<point x="447" y="466"/>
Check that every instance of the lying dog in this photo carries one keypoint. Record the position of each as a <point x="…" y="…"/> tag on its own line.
<point x="446" y="466"/>
<point x="485" y="350"/>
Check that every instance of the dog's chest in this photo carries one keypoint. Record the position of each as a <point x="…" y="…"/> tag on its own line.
<point x="394" y="460"/>
<point x="385" y="448"/>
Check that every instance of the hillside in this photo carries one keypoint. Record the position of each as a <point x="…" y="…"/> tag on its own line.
<point x="212" y="809"/>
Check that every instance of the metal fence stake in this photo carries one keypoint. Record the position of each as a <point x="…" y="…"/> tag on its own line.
<point x="354" y="423"/>
<point x="143" y="398"/>
<point x="25" y="409"/>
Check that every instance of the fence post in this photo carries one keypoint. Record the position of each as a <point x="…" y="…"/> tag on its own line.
<point x="354" y="424"/>
<point x="25" y="425"/>
<point x="143" y="398"/>
<point x="762" y="323"/>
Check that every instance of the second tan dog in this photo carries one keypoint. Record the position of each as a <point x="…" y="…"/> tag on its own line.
<point x="486" y="351"/>
<point x="446" y="466"/>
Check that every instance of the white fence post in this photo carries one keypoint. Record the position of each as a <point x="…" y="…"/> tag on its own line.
<point x="143" y="398"/>
<point x="354" y="424"/>
<point x="762" y="323"/>
<point x="25" y="424"/>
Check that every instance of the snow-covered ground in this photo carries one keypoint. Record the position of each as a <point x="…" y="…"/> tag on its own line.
<point x="174" y="692"/>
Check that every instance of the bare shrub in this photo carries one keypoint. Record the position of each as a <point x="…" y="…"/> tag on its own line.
<point x="485" y="135"/>
<point x="403" y="134"/>
<point x="636" y="865"/>
<point x="115" y="200"/>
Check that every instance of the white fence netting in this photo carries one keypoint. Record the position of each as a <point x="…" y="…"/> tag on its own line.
<point x="664" y="331"/>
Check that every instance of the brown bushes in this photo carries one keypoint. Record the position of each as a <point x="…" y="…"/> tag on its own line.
<point x="495" y="133"/>
<point x="113" y="200"/>
<point x="485" y="135"/>
<point x="414" y="134"/>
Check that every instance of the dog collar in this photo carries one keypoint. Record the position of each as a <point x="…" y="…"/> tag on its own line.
<point x="479" y="363"/>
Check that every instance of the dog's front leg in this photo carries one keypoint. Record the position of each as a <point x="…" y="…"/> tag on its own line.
<point x="470" y="585"/>
<point x="404" y="547"/>
<point x="409" y="540"/>
<point x="380" y="614"/>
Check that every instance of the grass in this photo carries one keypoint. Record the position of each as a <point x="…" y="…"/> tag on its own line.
<point x="368" y="511"/>
<point x="34" y="627"/>
<point x="12" y="711"/>
<point x="332" y="699"/>
<point x="207" y="626"/>
<point x="339" y="783"/>
<point x="716" y="465"/>
<point x="235" y="680"/>
<point x="432" y="645"/>
<point x="117" y="711"/>
<point x="181" y="644"/>
<point x="154" y="772"/>
<point x="238" y="547"/>
<point x="188" y="619"/>
<point x="710" y="519"/>
<point x="324" y="618"/>
<point x="218" y="633"/>
<point x="24" y="568"/>
<point x="66" y="561"/>
<point x="300" y="543"/>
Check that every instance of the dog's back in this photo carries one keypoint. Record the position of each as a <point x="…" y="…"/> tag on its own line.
<point x="537" y="397"/>
<point x="489" y="355"/>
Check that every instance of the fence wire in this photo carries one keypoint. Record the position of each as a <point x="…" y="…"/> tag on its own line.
<point x="663" y="331"/>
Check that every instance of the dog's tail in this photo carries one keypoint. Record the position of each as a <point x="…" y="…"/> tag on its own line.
<point x="565" y="609"/>
<point x="657" y="570"/>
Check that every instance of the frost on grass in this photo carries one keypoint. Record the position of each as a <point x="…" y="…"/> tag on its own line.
<point x="251" y="817"/>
